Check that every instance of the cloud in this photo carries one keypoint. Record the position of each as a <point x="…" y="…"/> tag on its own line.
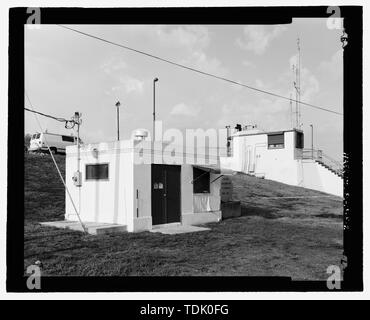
<point x="268" y="112"/>
<point x="128" y="84"/>
<point x="169" y="36"/>
<point x="124" y="83"/>
<point x="112" y="65"/>
<point x="192" y="43"/>
<point x="184" y="44"/>
<point x="187" y="36"/>
<point x="333" y="67"/>
<point x="182" y="109"/>
<point x="258" y="38"/>
<point x="247" y="63"/>
<point x="199" y="60"/>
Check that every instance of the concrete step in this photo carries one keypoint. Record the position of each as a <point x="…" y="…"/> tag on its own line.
<point x="166" y="225"/>
<point x="94" y="228"/>
<point x="178" y="229"/>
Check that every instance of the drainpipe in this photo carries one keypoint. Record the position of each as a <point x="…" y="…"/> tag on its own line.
<point x="311" y="139"/>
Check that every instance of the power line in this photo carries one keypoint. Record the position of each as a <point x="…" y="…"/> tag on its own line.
<point x="69" y="124"/>
<point x="198" y="71"/>
<point x="55" y="163"/>
<point x="40" y="113"/>
<point x="46" y="115"/>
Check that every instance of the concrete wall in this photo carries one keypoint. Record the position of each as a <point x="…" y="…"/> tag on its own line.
<point x="107" y="201"/>
<point x="317" y="177"/>
<point x="277" y="164"/>
<point x="142" y="215"/>
<point x="115" y="200"/>
<point x="186" y="189"/>
<point x="251" y="155"/>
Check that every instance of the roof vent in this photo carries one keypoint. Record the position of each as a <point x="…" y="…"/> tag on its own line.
<point x="140" y="134"/>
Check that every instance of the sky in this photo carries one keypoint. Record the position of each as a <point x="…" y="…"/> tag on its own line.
<point x="67" y="72"/>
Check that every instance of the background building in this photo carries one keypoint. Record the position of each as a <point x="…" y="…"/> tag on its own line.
<point x="281" y="156"/>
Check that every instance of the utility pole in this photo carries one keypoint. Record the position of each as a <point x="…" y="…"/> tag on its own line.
<point x="77" y="178"/>
<point x="77" y="121"/>
<point x="117" y="106"/>
<point x="154" y="81"/>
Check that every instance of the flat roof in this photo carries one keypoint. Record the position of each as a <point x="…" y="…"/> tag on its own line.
<point x="146" y="149"/>
<point x="246" y="133"/>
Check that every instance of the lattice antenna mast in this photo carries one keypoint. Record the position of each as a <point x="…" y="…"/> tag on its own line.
<point x="291" y="111"/>
<point x="295" y="111"/>
<point x="297" y="86"/>
<point x="299" y="82"/>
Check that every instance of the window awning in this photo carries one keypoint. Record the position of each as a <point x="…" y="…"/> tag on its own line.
<point x="216" y="169"/>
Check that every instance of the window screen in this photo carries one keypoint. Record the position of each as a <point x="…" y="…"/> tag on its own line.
<point x="200" y="181"/>
<point x="276" y="140"/>
<point x="299" y="140"/>
<point x="68" y="138"/>
<point x="97" y="171"/>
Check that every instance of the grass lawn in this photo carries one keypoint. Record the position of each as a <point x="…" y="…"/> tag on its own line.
<point x="297" y="237"/>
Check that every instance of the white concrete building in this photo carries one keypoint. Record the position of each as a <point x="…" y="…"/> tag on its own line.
<point x="281" y="156"/>
<point x="141" y="185"/>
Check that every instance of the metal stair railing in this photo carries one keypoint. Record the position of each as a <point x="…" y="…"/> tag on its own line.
<point x="325" y="160"/>
<point x="313" y="154"/>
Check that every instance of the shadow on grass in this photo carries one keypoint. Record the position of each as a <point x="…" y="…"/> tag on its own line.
<point x="329" y="216"/>
<point x="253" y="210"/>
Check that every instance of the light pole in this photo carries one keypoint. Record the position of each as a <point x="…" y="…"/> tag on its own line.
<point x="154" y="81"/>
<point x="311" y="125"/>
<point x="117" y="105"/>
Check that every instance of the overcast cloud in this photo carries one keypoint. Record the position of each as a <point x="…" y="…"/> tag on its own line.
<point x="66" y="72"/>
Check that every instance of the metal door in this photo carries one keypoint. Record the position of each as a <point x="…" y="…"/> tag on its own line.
<point x="166" y="206"/>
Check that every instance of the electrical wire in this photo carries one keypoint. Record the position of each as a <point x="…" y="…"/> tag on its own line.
<point x="69" y="124"/>
<point x="197" y="70"/>
<point x="56" y="165"/>
<point x="46" y="115"/>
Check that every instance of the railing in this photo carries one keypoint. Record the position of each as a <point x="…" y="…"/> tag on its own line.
<point x="327" y="161"/>
<point x="312" y="154"/>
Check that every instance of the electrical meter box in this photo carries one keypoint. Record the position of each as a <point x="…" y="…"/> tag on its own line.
<point x="77" y="179"/>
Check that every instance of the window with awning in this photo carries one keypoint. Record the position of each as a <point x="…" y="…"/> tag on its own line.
<point x="201" y="180"/>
